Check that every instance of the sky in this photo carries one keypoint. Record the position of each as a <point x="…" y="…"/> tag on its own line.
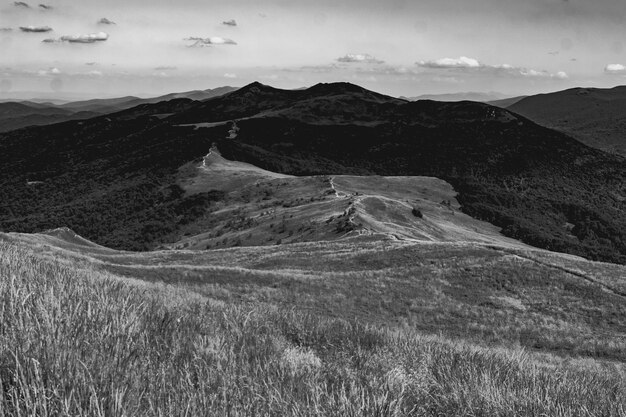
<point x="91" y="48"/>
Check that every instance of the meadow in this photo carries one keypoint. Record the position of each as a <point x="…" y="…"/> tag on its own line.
<point x="77" y="339"/>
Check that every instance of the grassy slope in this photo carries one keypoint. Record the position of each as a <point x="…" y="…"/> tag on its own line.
<point x="78" y="341"/>
<point x="491" y="295"/>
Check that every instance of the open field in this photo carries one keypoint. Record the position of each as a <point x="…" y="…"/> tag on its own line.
<point x="78" y="340"/>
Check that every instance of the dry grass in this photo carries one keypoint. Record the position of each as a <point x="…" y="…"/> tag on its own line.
<point x="83" y="342"/>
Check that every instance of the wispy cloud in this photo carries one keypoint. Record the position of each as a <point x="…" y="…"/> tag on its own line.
<point x="21" y="4"/>
<point x="230" y="75"/>
<point x="615" y="69"/>
<point x="45" y="7"/>
<point x="105" y="21"/>
<point x="465" y="64"/>
<point x="360" y="58"/>
<point x="230" y="22"/>
<point x="213" y="40"/>
<point x="165" y="68"/>
<point x="35" y="29"/>
<point x="88" y="38"/>
<point x="6" y="29"/>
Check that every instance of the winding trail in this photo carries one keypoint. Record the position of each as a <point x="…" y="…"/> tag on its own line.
<point x="587" y="278"/>
<point x="331" y="182"/>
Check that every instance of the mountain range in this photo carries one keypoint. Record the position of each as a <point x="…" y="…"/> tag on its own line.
<point x="462" y="96"/>
<point x="116" y="179"/>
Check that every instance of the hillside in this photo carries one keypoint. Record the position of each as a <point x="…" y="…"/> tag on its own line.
<point x="116" y="179"/>
<point x="506" y="102"/>
<point x="594" y="116"/>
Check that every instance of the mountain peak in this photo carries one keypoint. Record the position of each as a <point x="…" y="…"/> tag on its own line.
<point x="338" y="87"/>
<point x="256" y="87"/>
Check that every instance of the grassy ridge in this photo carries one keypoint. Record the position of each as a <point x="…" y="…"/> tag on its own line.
<point x="82" y="342"/>
<point x="540" y="186"/>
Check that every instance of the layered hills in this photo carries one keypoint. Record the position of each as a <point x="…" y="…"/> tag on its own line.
<point x="19" y="114"/>
<point x="116" y="179"/>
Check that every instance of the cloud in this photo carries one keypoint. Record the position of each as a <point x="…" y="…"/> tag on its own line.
<point x="230" y="22"/>
<point x="615" y="69"/>
<point x="213" y="40"/>
<point x="466" y="64"/>
<point x="89" y="38"/>
<point x="49" y="71"/>
<point x="361" y="58"/>
<point x="21" y="4"/>
<point x="6" y="29"/>
<point x="105" y="21"/>
<point x="45" y="7"/>
<point x="166" y="68"/>
<point x="461" y="62"/>
<point x="230" y="75"/>
<point x="35" y="29"/>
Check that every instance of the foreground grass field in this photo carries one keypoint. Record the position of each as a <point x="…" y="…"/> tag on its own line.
<point x="488" y="295"/>
<point x="76" y="340"/>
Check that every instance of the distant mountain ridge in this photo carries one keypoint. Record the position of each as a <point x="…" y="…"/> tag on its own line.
<point x="461" y="96"/>
<point x="594" y="116"/>
<point x="20" y="114"/>
<point x="113" y="179"/>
